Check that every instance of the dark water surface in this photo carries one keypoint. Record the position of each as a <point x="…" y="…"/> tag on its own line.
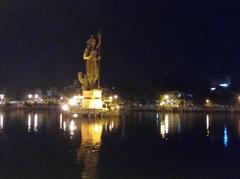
<point x="47" y="144"/>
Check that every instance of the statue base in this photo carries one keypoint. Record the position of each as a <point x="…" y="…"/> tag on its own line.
<point x="92" y="99"/>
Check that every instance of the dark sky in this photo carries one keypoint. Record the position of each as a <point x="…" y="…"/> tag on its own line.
<point x="41" y="42"/>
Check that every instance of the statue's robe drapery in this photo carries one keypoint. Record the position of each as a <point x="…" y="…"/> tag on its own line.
<point x="92" y="70"/>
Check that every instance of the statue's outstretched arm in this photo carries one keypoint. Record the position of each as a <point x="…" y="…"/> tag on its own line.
<point x="86" y="55"/>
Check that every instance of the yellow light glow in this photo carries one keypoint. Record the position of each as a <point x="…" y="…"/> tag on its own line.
<point x="162" y="103"/>
<point x="88" y="153"/>
<point x="110" y="98"/>
<point x="166" y="96"/>
<point x="111" y="126"/>
<point x="98" y="104"/>
<point x="115" y="96"/>
<point x="75" y="115"/>
<point x="74" y="101"/>
<point x="92" y="132"/>
<point x="65" y="107"/>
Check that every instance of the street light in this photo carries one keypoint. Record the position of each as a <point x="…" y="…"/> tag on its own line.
<point x="65" y="107"/>
<point x="166" y="96"/>
<point x="1" y="97"/>
<point x="30" y="96"/>
<point x="208" y="102"/>
<point x="36" y="96"/>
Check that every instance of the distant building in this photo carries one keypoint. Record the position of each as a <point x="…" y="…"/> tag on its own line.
<point x="175" y="99"/>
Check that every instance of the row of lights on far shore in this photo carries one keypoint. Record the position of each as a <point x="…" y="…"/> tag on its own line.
<point x="31" y="96"/>
<point x="208" y="101"/>
<point x="113" y="97"/>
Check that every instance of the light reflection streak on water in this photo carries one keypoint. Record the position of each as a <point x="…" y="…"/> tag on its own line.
<point x="35" y="123"/>
<point x="111" y="126"/>
<point x="164" y="126"/>
<point x="64" y="126"/>
<point x="225" y="137"/>
<point x="207" y="124"/>
<point x="88" y="153"/>
<point x="1" y="121"/>
<point x="166" y="123"/>
<point x="29" y="123"/>
<point x="140" y="117"/>
<point x="61" y="121"/>
<point x="72" y="127"/>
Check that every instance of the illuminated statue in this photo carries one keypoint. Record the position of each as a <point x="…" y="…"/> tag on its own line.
<point x="92" y="57"/>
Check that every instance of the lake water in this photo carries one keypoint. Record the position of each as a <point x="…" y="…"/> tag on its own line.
<point x="48" y="144"/>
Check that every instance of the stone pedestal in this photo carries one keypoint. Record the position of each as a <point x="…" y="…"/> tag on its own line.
<point x="92" y="99"/>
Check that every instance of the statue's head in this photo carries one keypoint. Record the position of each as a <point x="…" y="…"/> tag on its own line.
<point x="92" y="41"/>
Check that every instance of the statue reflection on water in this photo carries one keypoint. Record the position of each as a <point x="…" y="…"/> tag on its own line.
<point x="91" y="130"/>
<point x="79" y="147"/>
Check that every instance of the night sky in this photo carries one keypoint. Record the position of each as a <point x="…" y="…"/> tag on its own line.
<point x="42" y="42"/>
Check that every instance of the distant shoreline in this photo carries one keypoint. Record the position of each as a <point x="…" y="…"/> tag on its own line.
<point x="23" y="106"/>
<point x="229" y="109"/>
<point x="140" y="109"/>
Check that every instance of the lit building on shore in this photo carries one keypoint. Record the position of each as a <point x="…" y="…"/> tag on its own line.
<point x="175" y="99"/>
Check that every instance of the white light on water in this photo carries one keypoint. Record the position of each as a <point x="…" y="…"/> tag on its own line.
<point x="35" y="127"/>
<point x="29" y="123"/>
<point x="72" y="127"/>
<point x="166" y="123"/>
<point x="61" y="121"/>
<point x="207" y="124"/>
<point x="64" y="125"/>
<point x="1" y="121"/>
<point x="164" y="126"/>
